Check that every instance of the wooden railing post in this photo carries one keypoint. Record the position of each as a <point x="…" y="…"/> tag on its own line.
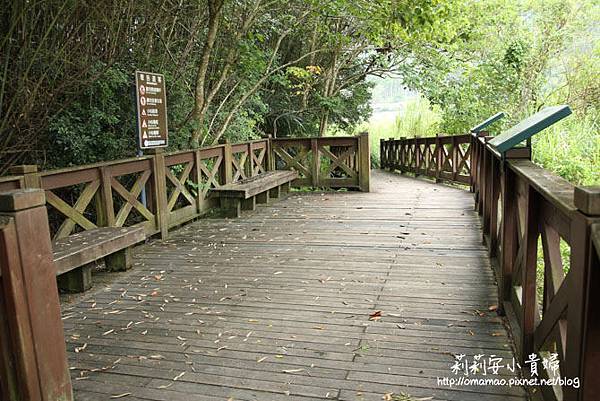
<point x="473" y="163"/>
<point x="364" y="166"/>
<point x="250" y="160"/>
<point x="395" y="153"/>
<point x="485" y="192"/>
<point x="583" y="330"/>
<point x="270" y="162"/>
<point x="402" y="159"/>
<point x="227" y="169"/>
<point x="482" y="180"/>
<point x="478" y="170"/>
<point x="454" y="155"/>
<point x="493" y="205"/>
<point x="160" y="188"/>
<point x="31" y="177"/>
<point x="104" y="201"/>
<point x="200" y="201"/>
<point x="32" y="304"/>
<point x="392" y="161"/>
<point x="509" y="233"/>
<point x="316" y="162"/>
<point x="417" y="157"/>
<point x="475" y="168"/>
<point x="438" y="158"/>
<point x="591" y="330"/>
<point x="382" y="153"/>
<point x="529" y="268"/>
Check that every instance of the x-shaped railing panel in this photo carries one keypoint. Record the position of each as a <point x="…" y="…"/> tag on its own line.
<point x="74" y="214"/>
<point x="131" y="198"/>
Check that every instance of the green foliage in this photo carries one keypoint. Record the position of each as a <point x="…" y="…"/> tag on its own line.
<point x="92" y="128"/>
<point x="293" y="68"/>
<point x="519" y="57"/>
<point x="99" y="124"/>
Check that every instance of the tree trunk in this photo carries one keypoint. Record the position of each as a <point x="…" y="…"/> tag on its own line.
<point x="324" y="123"/>
<point x="199" y="112"/>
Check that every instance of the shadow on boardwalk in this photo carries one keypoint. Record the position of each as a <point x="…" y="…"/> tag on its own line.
<point x="276" y="305"/>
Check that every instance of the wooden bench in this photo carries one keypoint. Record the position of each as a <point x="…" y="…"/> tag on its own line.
<point x="74" y="255"/>
<point x="245" y="194"/>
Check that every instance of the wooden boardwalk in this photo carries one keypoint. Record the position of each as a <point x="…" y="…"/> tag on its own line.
<point x="276" y="305"/>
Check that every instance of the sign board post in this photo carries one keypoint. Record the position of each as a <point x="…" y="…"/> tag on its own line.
<point x="151" y="104"/>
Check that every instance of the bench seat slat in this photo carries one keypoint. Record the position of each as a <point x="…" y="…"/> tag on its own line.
<point x="88" y="246"/>
<point x="252" y="186"/>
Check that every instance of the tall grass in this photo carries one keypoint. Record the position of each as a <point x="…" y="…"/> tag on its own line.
<point x="417" y="119"/>
<point x="570" y="149"/>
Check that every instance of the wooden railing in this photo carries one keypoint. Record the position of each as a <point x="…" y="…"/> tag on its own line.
<point x="543" y="237"/>
<point x="441" y="157"/>
<point x="175" y="186"/>
<point x="535" y="222"/>
<point x="164" y="190"/>
<point x="334" y="162"/>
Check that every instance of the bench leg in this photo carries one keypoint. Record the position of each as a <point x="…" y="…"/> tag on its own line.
<point x="249" y="204"/>
<point x="118" y="261"/>
<point x="230" y="207"/>
<point x="77" y="280"/>
<point x="285" y="188"/>
<point x="263" y="197"/>
<point x="275" y="192"/>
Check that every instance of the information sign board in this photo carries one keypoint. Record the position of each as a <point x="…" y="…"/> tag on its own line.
<point x="151" y="102"/>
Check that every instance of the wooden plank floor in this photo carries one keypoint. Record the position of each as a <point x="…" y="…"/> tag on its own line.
<point x="276" y="305"/>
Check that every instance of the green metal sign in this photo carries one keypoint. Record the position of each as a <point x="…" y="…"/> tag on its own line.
<point x="487" y="122"/>
<point x="529" y="127"/>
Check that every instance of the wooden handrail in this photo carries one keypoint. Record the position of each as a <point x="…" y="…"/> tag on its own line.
<point x="525" y="209"/>
<point x="176" y="184"/>
<point x="443" y="158"/>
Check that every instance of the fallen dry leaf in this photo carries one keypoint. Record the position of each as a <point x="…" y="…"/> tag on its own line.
<point x="375" y="315"/>
<point x="79" y="349"/>
<point x="120" y="395"/>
